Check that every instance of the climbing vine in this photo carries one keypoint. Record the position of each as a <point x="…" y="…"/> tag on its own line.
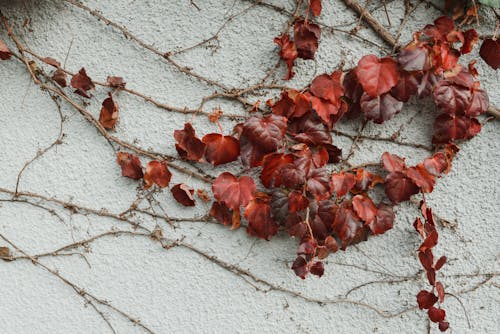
<point x="305" y="185"/>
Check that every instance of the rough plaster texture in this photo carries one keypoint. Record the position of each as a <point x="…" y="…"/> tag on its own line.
<point x="179" y="291"/>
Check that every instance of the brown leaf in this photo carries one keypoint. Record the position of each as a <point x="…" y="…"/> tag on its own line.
<point x="109" y="113"/>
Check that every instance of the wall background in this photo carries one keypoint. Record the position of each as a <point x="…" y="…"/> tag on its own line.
<point x="178" y="290"/>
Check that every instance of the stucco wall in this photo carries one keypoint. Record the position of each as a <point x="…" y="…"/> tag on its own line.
<point x="178" y="290"/>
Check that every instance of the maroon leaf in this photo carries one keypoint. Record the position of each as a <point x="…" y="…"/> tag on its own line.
<point x="346" y="224"/>
<point x="451" y="98"/>
<point x="399" y="188"/>
<point x="266" y="132"/>
<point x="300" y="267"/>
<point x="393" y="163"/>
<point x="258" y="214"/>
<point x="82" y="83"/>
<point x="157" y="172"/>
<point x="271" y="168"/>
<point x="490" y="52"/>
<point x="436" y="314"/>
<point x="221" y="149"/>
<point x="130" y="164"/>
<point x="109" y="113"/>
<point x="380" y="108"/>
<point x="342" y="183"/>
<point x="59" y="76"/>
<point x="233" y="191"/>
<point x="426" y="299"/>
<point x="317" y="268"/>
<point x="183" y="194"/>
<point x="318" y="183"/>
<point x="384" y="219"/>
<point x="306" y="37"/>
<point x="288" y="53"/>
<point x="188" y="145"/>
<point x="5" y="52"/>
<point x="377" y="76"/>
<point x="364" y="208"/>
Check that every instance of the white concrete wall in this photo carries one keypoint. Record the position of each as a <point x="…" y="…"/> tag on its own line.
<point x="179" y="291"/>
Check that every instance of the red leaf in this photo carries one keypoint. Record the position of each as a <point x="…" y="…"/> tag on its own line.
<point x="292" y="104"/>
<point x="426" y="259"/>
<point x="399" y="188"/>
<point x="251" y="154"/>
<point x="414" y="58"/>
<point x="342" y="183"/>
<point x="440" y="291"/>
<point x="440" y="262"/>
<point x="225" y="216"/>
<point x="310" y="130"/>
<point x="328" y="87"/>
<point x="189" y="146"/>
<point x="470" y="39"/>
<point x="297" y="201"/>
<point x="221" y="149"/>
<point x="430" y="241"/>
<point x="364" y="208"/>
<point x="315" y="7"/>
<point x="448" y="128"/>
<point x="436" y="314"/>
<point x="437" y="164"/>
<point x="377" y="76"/>
<point x="288" y="53"/>
<point x="300" y="267"/>
<point x="292" y="176"/>
<point x="59" y="76"/>
<point x="82" y="83"/>
<point x="490" y="52"/>
<point x="318" y="183"/>
<point x="451" y="98"/>
<point x="266" y="132"/>
<point x="183" y="194"/>
<point x="331" y="244"/>
<point x="109" y="113"/>
<point x="365" y="180"/>
<point x="421" y="177"/>
<point x="380" y="108"/>
<point x="258" y="215"/>
<point x="317" y="268"/>
<point x="232" y="191"/>
<point x="51" y="61"/>
<point x="406" y="87"/>
<point x="157" y="173"/>
<point x="393" y="163"/>
<point x="306" y="37"/>
<point x="384" y="220"/>
<point x="130" y="164"/>
<point x="443" y="326"/>
<point x="346" y="224"/>
<point x="5" y="52"/>
<point x="426" y="299"/>
<point x="479" y="103"/>
<point x="271" y="168"/>
<point x="116" y="82"/>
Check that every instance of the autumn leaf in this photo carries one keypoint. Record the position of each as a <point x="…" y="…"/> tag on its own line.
<point x="82" y="83"/>
<point x="5" y="52"/>
<point x="399" y="188"/>
<point x="266" y="132"/>
<point x="288" y="53"/>
<point x="380" y="108"/>
<point x="183" y="194"/>
<point x="116" y="82"/>
<point x="232" y="191"/>
<point x="221" y="149"/>
<point x="130" y="164"/>
<point x="426" y="299"/>
<point x="364" y="208"/>
<point x="342" y="183"/>
<point x="315" y="7"/>
<point x="188" y="145"/>
<point x="490" y="52"/>
<point x="258" y="215"/>
<point x="59" y="76"/>
<point x="271" y="168"/>
<point x="377" y="76"/>
<point x="109" y="113"/>
<point x="306" y="36"/>
<point x="157" y="172"/>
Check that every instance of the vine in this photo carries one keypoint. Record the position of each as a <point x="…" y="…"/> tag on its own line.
<point x="306" y="187"/>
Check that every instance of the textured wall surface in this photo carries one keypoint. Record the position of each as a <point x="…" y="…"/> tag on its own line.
<point x="220" y="281"/>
